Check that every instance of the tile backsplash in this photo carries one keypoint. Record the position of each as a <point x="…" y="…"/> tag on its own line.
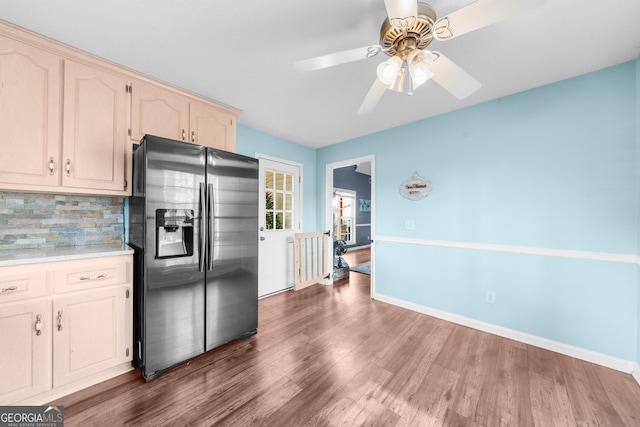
<point x="49" y="220"/>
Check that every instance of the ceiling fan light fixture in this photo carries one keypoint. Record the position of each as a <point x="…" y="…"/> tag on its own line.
<point x="420" y="67"/>
<point x="388" y="70"/>
<point x="398" y="83"/>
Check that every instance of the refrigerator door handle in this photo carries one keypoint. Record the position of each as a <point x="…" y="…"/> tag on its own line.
<point x="210" y="229"/>
<point x="201" y="237"/>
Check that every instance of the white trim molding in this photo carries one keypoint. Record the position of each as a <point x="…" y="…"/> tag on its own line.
<point x="636" y="373"/>
<point x="524" y="250"/>
<point x="556" y="346"/>
<point x="328" y="197"/>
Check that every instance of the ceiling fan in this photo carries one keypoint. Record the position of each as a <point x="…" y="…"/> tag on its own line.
<point x="408" y="30"/>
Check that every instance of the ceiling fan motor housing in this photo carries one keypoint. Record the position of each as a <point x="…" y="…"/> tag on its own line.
<point x="403" y="41"/>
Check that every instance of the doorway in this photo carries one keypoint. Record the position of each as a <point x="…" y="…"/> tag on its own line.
<point x="280" y="217"/>
<point x="344" y="205"/>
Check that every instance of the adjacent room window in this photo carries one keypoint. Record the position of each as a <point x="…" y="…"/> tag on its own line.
<point x="344" y="215"/>
<point x="279" y="191"/>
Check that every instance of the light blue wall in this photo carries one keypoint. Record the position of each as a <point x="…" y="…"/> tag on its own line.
<point x="250" y="141"/>
<point x="554" y="167"/>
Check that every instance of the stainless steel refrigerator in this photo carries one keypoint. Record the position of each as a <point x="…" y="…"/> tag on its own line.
<point x="193" y="223"/>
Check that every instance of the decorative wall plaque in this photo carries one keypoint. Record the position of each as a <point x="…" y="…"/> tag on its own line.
<point x="416" y="187"/>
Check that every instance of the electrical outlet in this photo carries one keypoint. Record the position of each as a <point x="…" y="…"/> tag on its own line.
<point x="490" y="297"/>
<point x="409" y="224"/>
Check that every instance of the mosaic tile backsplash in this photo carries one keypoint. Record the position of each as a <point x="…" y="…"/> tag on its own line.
<point x="50" y="220"/>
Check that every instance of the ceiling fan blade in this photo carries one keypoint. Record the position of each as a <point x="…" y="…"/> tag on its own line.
<point x="480" y="14"/>
<point x="337" y="58"/>
<point x="373" y="97"/>
<point x="402" y="13"/>
<point x="453" y="78"/>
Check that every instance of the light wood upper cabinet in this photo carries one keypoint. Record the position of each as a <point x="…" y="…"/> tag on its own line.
<point x="67" y="118"/>
<point x="212" y="127"/>
<point x="29" y="114"/>
<point x="25" y="363"/>
<point x="158" y="111"/>
<point x="95" y="149"/>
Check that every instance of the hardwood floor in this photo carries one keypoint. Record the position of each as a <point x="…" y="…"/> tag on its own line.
<point x="329" y="355"/>
<point x="357" y="256"/>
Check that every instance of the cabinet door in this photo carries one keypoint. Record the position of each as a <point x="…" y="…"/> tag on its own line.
<point x="29" y="115"/>
<point x="89" y="333"/>
<point x="25" y="356"/>
<point x="212" y="127"/>
<point x="157" y="111"/>
<point x="95" y="145"/>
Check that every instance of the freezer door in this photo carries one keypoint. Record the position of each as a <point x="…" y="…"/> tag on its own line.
<point x="232" y="259"/>
<point x="174" y="283"/>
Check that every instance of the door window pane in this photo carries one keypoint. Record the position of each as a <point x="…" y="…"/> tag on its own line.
<point x="268" y="179"/>
<point x="279" y="208"/>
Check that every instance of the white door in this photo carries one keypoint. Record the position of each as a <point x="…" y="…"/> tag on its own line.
<point x="280" y="197"/>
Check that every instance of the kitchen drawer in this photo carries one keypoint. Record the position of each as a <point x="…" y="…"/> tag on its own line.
<point x="93" y="273"/>
<point x="18" y="283"/>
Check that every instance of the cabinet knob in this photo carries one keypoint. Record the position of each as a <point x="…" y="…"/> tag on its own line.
<point x="184" y="135"/>
<point x="38" y="325"/>
<point x="67" y="167"/>
<point x="52" y="166"/>
<point x="60" y="320"/>
<point x="193" y="137"/>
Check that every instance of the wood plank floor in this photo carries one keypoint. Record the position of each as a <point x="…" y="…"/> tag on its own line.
<point x="329" y="355"/>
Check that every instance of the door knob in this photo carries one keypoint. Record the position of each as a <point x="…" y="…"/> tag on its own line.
<point x="262" y="238"/>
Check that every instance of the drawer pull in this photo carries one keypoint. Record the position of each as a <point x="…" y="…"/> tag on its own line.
<point x="38" y="325"/>
<point x="9" y="289"/>
<point x="101" y="276"/>
<point x="60" y="320"/>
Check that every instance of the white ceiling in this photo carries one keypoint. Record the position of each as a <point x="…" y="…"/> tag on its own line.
<point x="241" y="53"/>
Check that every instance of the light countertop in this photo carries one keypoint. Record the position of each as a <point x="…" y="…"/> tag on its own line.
<point x="32" y="256"/>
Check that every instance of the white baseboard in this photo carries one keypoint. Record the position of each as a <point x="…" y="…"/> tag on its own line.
<point x="93" y="379"/>
<point x="636" y="373"/>
<point x="556" y="346"/>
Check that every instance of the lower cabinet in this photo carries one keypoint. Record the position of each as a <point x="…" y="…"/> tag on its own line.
<point x="71" y="337"/>
<point x="25" y="350"/>
<point x="89" y="333"/>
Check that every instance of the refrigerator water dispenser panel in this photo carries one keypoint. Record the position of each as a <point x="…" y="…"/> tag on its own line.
<point x="174" y="237"/>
